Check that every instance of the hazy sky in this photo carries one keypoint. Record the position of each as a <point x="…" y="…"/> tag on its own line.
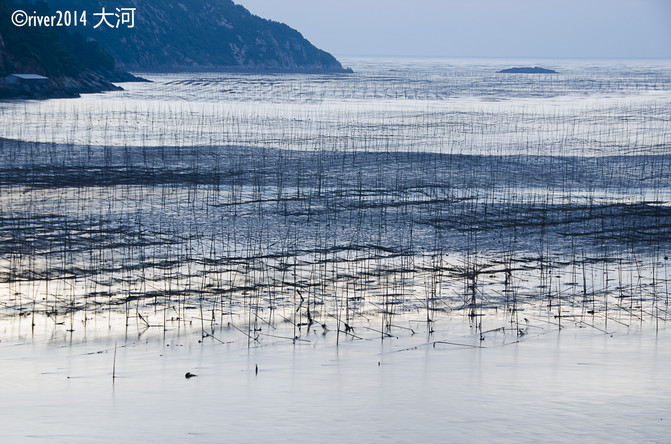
<point x="479" y="28"/>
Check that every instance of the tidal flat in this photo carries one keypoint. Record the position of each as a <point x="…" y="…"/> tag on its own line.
<point x="424" y="248"/>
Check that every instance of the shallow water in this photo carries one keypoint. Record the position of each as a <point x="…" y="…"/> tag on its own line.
<point x="447" y="106"/>
<point x="576" y="384"/>
<point x="311" y="225"/>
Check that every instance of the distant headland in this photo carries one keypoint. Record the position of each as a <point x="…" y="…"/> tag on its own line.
<point x="202" y="35"/>
<point x="39" y="62"/>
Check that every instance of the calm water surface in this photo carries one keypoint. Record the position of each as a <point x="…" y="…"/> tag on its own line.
<point x="572" y="385"/>
<point x="600" y="378"/>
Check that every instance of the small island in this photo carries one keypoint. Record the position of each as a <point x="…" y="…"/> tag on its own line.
<point x="527" y="70"/>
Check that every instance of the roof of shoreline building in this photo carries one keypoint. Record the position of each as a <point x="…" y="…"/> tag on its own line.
<point x="30" y="76"/>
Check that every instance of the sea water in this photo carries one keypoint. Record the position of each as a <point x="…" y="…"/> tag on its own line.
<point x="422" y="250"/>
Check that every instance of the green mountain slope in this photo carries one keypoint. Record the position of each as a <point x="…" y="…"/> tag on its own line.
<point x="73" y="64"/>
<point x="201" y="34"/>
